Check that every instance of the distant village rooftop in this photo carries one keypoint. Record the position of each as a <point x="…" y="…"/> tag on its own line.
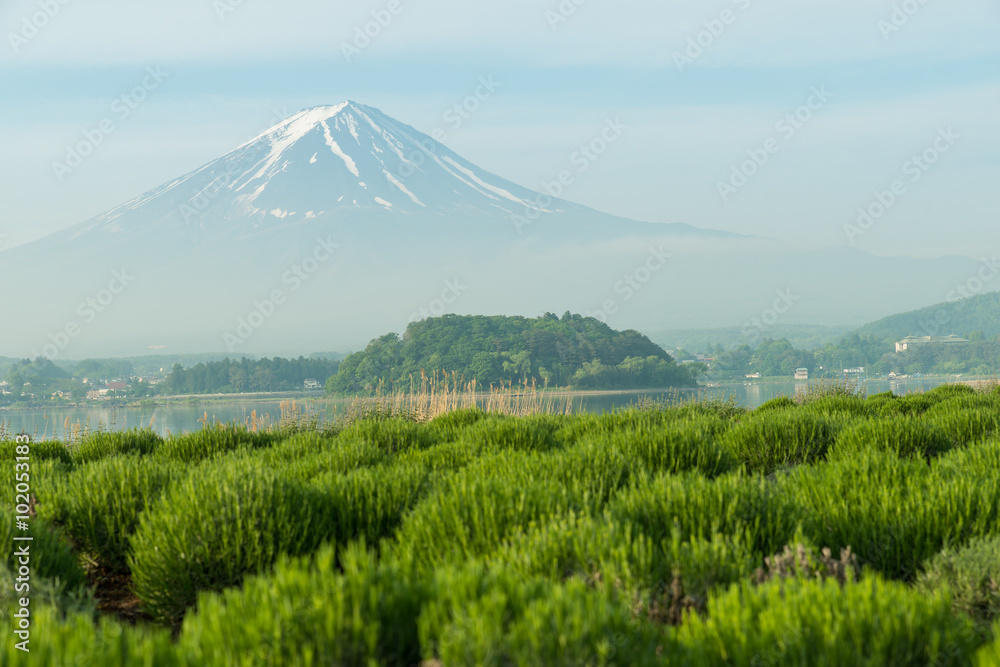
<point x="928" y="340"/>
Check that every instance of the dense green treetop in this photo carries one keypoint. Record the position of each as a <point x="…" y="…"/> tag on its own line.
<point x="246" y="375"/>
<point x="572" y="351"/>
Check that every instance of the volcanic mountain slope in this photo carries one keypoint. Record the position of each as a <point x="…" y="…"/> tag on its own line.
<point x="341" y="223"/>
<point x="339" y="163"/>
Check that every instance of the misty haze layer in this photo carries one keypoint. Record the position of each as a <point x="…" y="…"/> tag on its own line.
<point x="341" y="223"/>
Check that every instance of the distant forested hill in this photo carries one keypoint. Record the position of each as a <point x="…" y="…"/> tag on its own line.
<point x="229" y="376"/>
<point x="557" y="352"/>
<point x="977" y="317"/>
<point x="801" y="336"/>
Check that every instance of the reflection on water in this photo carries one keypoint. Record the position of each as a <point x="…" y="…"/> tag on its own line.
<point x="175" y="419"/>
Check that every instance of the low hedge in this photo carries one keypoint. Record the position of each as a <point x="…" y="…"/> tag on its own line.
<point x="102" y="445"/>
<point x="211" y="442"/>
<point x="902" y="437"/>
<point x="217" y="525"/>
<point x="772" y="439"/>
<point x="100" y="504"/>
<point x="867" y="623"/>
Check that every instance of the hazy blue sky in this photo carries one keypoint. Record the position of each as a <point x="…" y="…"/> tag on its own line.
<point x="892" y="79"/>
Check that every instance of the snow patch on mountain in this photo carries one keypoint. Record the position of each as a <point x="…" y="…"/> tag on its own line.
<point x="331" y="163"/>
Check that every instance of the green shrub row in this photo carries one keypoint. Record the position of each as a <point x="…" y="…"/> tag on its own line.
<point x="895" y="512"/>
<point x="102" y="445"/>
<point x="215" y="526"/>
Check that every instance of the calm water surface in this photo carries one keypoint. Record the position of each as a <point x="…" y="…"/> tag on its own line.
<point x="175" y="419"/>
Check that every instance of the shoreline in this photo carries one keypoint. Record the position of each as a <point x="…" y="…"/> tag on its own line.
<point x="319" y="397"/>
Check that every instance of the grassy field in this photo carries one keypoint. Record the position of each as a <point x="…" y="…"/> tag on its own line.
<point x="828" y="529"/>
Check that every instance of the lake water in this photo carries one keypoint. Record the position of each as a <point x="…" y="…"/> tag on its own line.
<point x="183" y="418"/>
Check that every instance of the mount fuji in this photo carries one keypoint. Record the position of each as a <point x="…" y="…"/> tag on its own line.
<point x="341" y="223"/>
<point x="337" y="164"/>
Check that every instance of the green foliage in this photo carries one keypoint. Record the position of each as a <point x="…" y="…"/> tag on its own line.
<point x="490" y="617"/>
<point x="594" y="629"/>
<point x="894" y="512"/>
<point x="819" y="623"/>
<point x="39" y="372"/>
<point x="909" y="405"/>
<point x="100" y="504"/>
<point x="977" y="313"/>
<point x="444" y="457"/>
<point x="51" y="556"/>
<point x="217" y="525"/>
<point x="688" y="445"/>
<point x="779" y="403"/>
<point x="593" y="471"/>
<point x="466" y="619"/>
<point x="624" y="538"/>
<point x="247" y="375"/>
<point x="554" y="351"/>
<point x="771" y="358"/>
<point x="964" y="426"/>
<point x="309" y="612"/>
<point x="77" y="640"/>
<point x="873" y="346"/>
<point x="104" y="369"/>
<point x="43" y="592"/>
<point x="635" y="373"/>
<point x="989" y="655"/>
<point x="607" y="553"/>
<point x="451" y="424"/>
<point x="679" y="406"/>
<point x="212" y="442"/>
<point x="44" y="450"/>
<point x="952" y="390"/>
<point x="981" y="461"/>
<point x="498" y="433"/>
<point x="746" y="508"/>
<point x="390" y="435"/>
<point x="304" y="457"/>
<point x="473" y="510"/>
<point x="849" y="406"/>
<point x="575" y="427"/>
<point x="45" y="477"/>
<point x="775" y="438"/>
<point x="101" y="445"/>
<point x="971" y="574"/>
<point x="902" y="437"/>
<point x="369" y="503"/>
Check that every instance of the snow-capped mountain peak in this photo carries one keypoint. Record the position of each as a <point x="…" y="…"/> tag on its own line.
<point x="329" y="162"/>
